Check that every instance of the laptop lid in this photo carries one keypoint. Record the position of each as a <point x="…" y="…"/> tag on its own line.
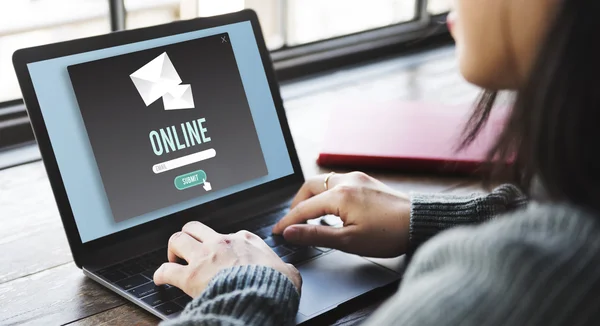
<point x="143" y="130"/>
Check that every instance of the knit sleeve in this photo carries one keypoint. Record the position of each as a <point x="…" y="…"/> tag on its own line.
<point x="433" y="213"/>
<point x="243" y="295"/>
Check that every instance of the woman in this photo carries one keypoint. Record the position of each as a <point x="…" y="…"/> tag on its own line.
<point x="536" y="264"/>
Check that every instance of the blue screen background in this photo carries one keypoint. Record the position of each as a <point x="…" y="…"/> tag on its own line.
<point x="73" y="151"/>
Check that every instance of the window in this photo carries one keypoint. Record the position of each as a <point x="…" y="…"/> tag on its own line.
<point x="26" y="23"/>
<point x="142" y="13"/>
<point x="284" y="22"/>
<point x="436" y="7"/>
<point x="301" y="33"/>
<point x="340" y="17"/>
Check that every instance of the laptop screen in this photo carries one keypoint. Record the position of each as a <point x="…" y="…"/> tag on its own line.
<point x="147" y="129"/>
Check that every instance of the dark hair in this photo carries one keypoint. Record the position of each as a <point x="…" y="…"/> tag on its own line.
<point x="554" y="126"/>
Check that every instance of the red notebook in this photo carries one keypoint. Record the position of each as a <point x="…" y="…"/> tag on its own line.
<point x="406" y="136"/>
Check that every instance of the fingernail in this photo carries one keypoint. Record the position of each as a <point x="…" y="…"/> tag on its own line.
<point x="175" y="235"/>
<point x="290" y="232"/>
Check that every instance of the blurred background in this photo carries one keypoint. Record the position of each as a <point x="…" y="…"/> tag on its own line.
<point x="287" y="24"/>
<point x="306" y="39"/>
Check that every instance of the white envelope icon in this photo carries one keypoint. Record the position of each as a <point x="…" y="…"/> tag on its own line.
<point x="179" y="97"/>
<point x="157" y="79"/>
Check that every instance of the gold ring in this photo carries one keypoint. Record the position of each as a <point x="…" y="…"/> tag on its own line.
<point x="326" y="182"/>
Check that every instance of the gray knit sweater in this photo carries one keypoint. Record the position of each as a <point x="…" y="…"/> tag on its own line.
<point x="537" y="265"/>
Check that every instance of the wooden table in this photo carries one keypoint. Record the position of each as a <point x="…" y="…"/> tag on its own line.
<point x="39" y="284"/>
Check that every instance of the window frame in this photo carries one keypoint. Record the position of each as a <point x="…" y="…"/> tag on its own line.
<point x="14" y="124"/>
<point x="290" y="62"/>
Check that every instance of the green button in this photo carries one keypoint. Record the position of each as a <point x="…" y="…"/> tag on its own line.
<point x="191" y="179"/>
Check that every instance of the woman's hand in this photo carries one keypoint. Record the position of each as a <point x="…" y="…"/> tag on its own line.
<point x="376" y="218"/>
<point x="207" y="252"/>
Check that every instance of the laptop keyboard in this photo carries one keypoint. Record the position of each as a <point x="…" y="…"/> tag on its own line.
<point x="135" y="275"/>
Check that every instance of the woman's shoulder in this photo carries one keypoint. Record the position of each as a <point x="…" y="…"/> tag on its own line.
<point x="535" y="221"/>
<point x="549" y="219"/>
<point x="535" y="266"/>
<point x="547" y="233"/>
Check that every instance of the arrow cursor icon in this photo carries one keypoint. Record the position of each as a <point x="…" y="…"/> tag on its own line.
<point x="206" y="185"/>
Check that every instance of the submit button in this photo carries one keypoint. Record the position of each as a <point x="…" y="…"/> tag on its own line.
<point x="189" y="180"/>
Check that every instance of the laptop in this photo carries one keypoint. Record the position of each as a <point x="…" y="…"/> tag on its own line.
<point x="144" y="130"/>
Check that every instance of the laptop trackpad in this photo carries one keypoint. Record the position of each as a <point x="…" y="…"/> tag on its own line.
<point x="336" y="278"/>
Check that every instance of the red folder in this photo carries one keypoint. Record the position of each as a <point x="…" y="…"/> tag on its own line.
<point x="406" y="136"/>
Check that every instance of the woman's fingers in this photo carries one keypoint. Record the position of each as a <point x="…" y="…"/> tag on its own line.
<point x="317" y="206"/>
<point x="317" y="235"/>
<point x="307" y="190"/>
<point x="200" y="231"/>
<point x="182" y="245"/>
<point x="315" y="186"/>
<point x="170" y="273"/>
